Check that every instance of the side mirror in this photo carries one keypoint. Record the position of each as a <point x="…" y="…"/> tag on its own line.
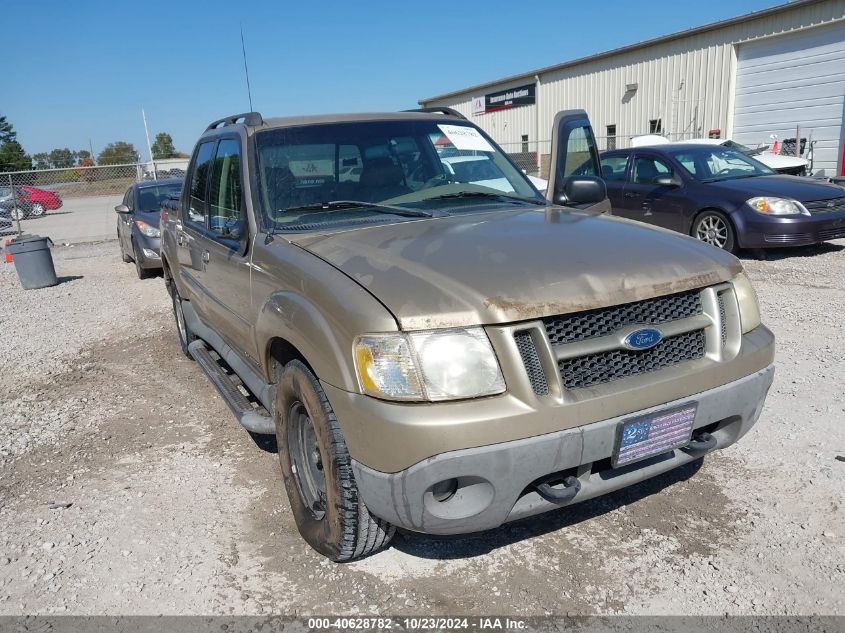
<point x="122" y="208"/>
<point x="582" y="190"/>
<point x="667" y="181"/>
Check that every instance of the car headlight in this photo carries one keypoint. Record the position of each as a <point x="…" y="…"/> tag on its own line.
<point x="146" y="229"/>
<point x="777" y="206"/>
<point x="431" y="365"/>
<point x="746" y="298"/>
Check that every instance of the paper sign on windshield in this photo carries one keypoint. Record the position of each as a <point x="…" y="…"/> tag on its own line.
<point x="465" y="137"/>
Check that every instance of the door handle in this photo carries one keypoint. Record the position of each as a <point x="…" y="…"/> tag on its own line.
<point x="206" y="256"/>
<point x="629" y="194"/>
<point x="180" y="239"/>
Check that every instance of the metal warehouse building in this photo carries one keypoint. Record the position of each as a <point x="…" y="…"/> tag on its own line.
<point x="746" y="78"/>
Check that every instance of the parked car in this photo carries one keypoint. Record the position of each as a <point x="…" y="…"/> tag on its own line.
<point x="449" y="356"/>
<point x="721" y="196"/>
<point x="780" y="163"/>
<point x="138" y="223"/>
<point x="15" y="209"/>
<point x="42" y="200"/>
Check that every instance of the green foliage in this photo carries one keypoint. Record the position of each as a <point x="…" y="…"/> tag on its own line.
<point x="118" y="153"/>
<point x="7" y="133"/>
<point x="84" y="157"/>
<point x="13" y="158"/>
<point x="162" y="147"/>
<point x="41" y="160"/>
<point x="62" y="158"/>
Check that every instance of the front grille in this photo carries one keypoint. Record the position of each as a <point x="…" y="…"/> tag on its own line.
<point x="826" y="206"/>
<point x="569" y="328"/>
<point x="807" y="238"/>
<point x="603" y="367"/>
<point x="531" y="360"/>
<point x="723" y="324"/>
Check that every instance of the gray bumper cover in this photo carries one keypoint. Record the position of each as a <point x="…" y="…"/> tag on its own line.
<point x="492" y="479"/>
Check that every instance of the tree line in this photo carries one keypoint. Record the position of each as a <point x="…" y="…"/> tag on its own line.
<point x="14" y="158"/>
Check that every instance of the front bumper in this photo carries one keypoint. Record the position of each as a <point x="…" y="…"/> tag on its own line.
<point x="147" y="250"/>
<point x="495" y="481"/>
<point x="762" y="232"/>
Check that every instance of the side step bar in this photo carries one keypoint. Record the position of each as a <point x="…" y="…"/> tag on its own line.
<point x="255" y="420"/>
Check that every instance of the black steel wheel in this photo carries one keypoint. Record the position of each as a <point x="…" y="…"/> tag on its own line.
<point x="317" y="471"/>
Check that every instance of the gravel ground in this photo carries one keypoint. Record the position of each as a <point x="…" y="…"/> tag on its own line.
<point x="126" y="487"/>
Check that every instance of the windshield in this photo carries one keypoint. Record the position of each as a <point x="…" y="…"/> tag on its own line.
<point x="423" y="165"/>
<point x="719" y="163"/>
<point x="150" y="198"/>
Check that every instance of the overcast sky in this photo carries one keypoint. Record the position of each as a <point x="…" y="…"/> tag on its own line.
<point x="83" y="70"/>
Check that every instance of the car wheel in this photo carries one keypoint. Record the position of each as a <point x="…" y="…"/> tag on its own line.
<point x="37" y="210"/>
<point x="714" y="228"/>
<point x="16" y="213"/>
<point x="186" y="337"/>
<point x="317" y="471"/>
<point x="143" y="273"/>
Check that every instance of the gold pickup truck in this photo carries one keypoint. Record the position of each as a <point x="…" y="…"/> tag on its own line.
<point x="434" y="344"/>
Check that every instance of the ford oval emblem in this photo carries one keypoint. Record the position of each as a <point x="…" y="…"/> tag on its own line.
<point x="646" y="338"/>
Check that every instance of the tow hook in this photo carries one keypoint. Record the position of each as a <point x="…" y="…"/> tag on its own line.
<point x="702" y="442"/>
<point x="570" y="488"/>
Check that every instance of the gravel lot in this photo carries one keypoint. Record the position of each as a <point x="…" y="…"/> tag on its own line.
<point x="126" y="487"/>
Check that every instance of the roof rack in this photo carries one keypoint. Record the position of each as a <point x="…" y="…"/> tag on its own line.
<point x="438" y="109"/>
<point x="249" y="118"/>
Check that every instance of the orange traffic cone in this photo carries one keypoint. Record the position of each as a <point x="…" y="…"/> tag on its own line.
<point x="776" y="147"/>
<point x="7" y="256"/>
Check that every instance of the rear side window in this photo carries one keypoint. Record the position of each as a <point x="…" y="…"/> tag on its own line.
<point x="613" y="168"/>
<point x="197" y="203"/>
<point x="225" y="200"/>
<point x="646" y="169"/>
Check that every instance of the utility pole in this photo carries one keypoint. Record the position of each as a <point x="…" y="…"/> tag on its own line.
<point x="149" y="147"/>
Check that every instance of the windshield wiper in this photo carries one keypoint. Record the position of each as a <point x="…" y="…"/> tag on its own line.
<point x="485" y="194"/>
<point x="337" y="205"/>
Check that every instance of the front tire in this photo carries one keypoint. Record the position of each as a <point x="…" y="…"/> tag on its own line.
<point x="186" y="337"/>
<point x="17" y="213"/>
<point x="317" y="471"/>
<point x="142" y="272"/>
<point x="714" y="228"/>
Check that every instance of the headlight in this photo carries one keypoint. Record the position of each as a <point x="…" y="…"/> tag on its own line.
<point x="777" y="206"/>
<point x="435" y="365"/>
<point x="749" y="308"/>
<point x="146" y="229"/>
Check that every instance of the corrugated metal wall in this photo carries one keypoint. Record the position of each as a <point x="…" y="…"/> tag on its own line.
<point x="686" y="82"/>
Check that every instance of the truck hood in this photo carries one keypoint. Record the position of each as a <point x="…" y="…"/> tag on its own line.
<point x="506" y="266"/>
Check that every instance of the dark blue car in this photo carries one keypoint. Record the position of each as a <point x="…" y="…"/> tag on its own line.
<point x="721" y="196"/>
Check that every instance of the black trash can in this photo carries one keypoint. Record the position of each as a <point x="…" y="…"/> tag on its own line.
<point x="33" y="261"/>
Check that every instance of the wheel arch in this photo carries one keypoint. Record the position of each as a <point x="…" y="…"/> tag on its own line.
<point x="290" y="327"/>
<point x="729" y="216"/>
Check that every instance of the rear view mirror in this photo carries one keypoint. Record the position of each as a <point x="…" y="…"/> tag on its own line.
<point x="582" y="190"/>
<point x="667" y="181"/>
<point x="122" y="208"/>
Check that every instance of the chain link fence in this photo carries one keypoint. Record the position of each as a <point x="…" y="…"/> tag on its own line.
<point x="33" y="194"/>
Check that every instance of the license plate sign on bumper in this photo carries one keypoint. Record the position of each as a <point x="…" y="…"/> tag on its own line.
<point x="653" y="434"/>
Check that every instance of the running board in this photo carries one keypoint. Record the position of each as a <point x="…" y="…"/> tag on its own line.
<point x="255" y="420"/>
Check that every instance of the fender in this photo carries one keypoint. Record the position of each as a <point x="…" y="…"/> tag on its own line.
<point x="292" y="317"/>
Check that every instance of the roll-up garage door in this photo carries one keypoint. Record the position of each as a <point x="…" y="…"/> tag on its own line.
<point x="793" y="80"/>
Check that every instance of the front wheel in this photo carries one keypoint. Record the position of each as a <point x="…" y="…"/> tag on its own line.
<point x="714" y="228"/>
<point x="186" y="337"/>
<point x="317" y="471"/>
<point x="17" y="213"/>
